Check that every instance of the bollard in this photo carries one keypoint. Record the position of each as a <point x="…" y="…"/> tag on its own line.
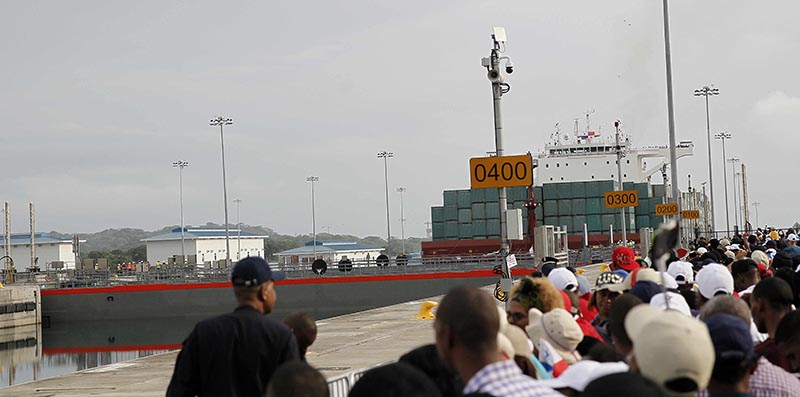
<point x="426" y="310"/>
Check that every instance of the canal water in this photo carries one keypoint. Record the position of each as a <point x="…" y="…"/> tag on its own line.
<point x="37" y="353"/>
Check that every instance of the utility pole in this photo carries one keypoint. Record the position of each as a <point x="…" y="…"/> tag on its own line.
<point x="180" y="165"/>
<point x="238" y="203"/>
<point x="619" y="179"/>
<point x="733" y="161"/>
<point x="673" y="156"/>
<point x="33" y="232"/>
<point x="707" y="91"/>
<point x="745" y="207"/>
<point x="500" y="87"/>
<point x="755" y="205"/>
<point x="9" y="262"/>
<point x="724" y="136"/>
<point x="385" y="156"/>
<point x="401" y="190"/>
<point x="313" y="179"/>
<point x="221" y="122"/>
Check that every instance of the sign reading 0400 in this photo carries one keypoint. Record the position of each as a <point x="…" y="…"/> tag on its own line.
<point x="503" y="171"/>
<point x="622" y="199"/>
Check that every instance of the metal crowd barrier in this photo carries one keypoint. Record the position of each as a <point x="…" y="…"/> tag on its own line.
<point x="340" y="385"/>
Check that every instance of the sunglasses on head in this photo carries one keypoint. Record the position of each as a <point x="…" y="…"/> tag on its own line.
<point x="516" y="316"/>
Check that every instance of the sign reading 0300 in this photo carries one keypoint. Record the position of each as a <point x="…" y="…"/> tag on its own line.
<point x="622" y="199"/>
<point x="503" y="171"/>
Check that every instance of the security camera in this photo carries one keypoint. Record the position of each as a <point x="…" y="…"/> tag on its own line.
<point x="509" y="67"/>
<point x="495" y="76"/>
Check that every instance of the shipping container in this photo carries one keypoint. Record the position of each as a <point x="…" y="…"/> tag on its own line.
<point x="450" y="213"/>
<point x="643" y="189"/>
<point x="642" y="221"/>
<point x="478" y="211"/>
<point x="594" y="205"/>
<point x="537" y="193"/>
<point x="653" y="202"/>
<point x="577" y="222"/>
<point x="551" y="220"/>
<point x="465" y="231"/>
<point x="579" y="206"/>
<point x="451" y="229"/>
<point x="599" y="188"/>
<point x="539" y="212"/>
<point x="565" y="207"/>
<point x="478" y="195"/>
<point x="659" y="191"/>
<point x="594" y="223"/>
<point x="549" y="192"/>
<point x="491" y="195"/>
<point x="550" y="208"/>
<point x="520" y="205"/>
<point x="450" y="198"/>
<point x="437" y="228"/>
<point x="493" y="210"/>
<point x="493" y="227"/>
<point x="606" y="220"/>
<point x="479" y="228"/>
<point x="644" y="206"/>
<point x="464" y="199"/>
<point x="578" y="189"/>
<point x="565" y="221"/>
<point x="564" y="190"/>
<point x="465" y="216"/>
<point x="437" y="214"/>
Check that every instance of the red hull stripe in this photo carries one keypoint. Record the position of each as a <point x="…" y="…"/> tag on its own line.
<point x="320" y="280"/>
<point x="104" y="349"/>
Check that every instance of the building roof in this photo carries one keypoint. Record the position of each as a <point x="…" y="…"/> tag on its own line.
<point x="38" y="238"/>
<point x="330" y="246"/>
<point x="203" y="233"/>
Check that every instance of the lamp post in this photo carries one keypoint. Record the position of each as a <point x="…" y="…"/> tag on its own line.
<point x="180" y="165"/>
<point x="401" y="190"/>
<point x="755" y="205"/>
<point x="724" y="136"/>
<point x="221" y="122"/>
<point x="313" y="179"/>
<point x="673" y="156"/>
<point x="707" y="91"/>
<point x="619" y="179"/>
<point x="733" y="161"/>
<point x="386" y="156"/>
<point x="238" y="202"/>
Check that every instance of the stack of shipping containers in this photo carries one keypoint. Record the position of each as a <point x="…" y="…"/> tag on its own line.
<point x="474" y="214"/>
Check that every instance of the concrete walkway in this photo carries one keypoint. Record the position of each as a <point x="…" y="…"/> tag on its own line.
<point x="344" y="344"/>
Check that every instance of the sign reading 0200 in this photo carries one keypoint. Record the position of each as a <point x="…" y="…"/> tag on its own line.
<point x="503" y="171"/>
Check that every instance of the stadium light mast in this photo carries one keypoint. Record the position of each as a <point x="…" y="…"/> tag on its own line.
<point x="706" y="92"/>
<point x="221" y="122"/>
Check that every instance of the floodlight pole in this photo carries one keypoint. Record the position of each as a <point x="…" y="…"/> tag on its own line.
<point x="385" y="156"/>
<point x="619" y="178"/>
<point x="733" y="161"/>
<point x="707" y="91"/>
<point x="238" y="202"/>
<point x="180" y="165"/>
<point x="221" y="122"/>
<point x="313" y="179"/>
<point x="755" y="205"/>
<point x="401" y="190"/>
<point x="673" y="156"/>
<point x="724" y="136"/>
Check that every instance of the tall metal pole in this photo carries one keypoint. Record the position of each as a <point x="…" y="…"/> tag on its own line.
<point x="385" y="156"/>
<point x="707" y="91"/>
<point x="733" y="162"/>
<point x="181" y="165"/>
<point x="313" y="179"/>
<point x="9" y="264"/>
<point x="723" y="136"/>
<point x="402" y="220"/>
<point x="673" y="157"/>
<point x="222" y="121"/>
<point x="619" y="179"/>
<point x="755" y="205"/>
<point x="745" y="207"/>
<point x="238" y="203"/>
<point x="33" y="243"/>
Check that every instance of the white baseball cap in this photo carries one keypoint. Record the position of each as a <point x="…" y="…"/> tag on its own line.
<point x="676" y="302"/>
<point x="791" y="237"/>
<point x="563" y="279"/>
<point x="713" y="279"/>
<point x="583" y="372"/>
<point x="669" y="281"/>
<point x="701" y="250"/>
<point x="681" y="271"/>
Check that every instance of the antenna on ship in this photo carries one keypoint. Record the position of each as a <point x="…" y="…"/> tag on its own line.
<point x="555" y="134"/>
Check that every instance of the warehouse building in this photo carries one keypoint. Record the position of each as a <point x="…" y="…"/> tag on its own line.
<point x="50" y="252"/>
<point x="204" y="245"/>
<point x="331" y="251"/>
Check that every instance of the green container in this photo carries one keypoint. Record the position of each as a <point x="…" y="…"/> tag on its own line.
<point x="577" y="222"/>
<point x="653" y="202"/>
<point x="437" y="228"/>
<point x="628" y="186"/>
<point x="478" y="211"/>
<point x="578" y="189"/>
<point x="659" y="191"/>
<point x="464" y="199"/>
<point x="451" y="229"/>
<point x="579" y="206"/>
<point x="465" y="216"/>
<point x="437" y="214"/>
<point x="607" y="211"/>
<point x="450" y="198"/>
<point x="642" y="221"/>
<point x="493" y="237"/>
<point x="594" y="206"/>
<point x="539" y="212"/>
<point x="479" y="228"/>
<point x="464" y="231"/>
<point x="477" y="195"/>
<point x="594" y="223"/>
<point x="549" y="191"/>
<point x="525" y="227"/>
<point x="606" y="220"/>
<point x="491" y="195"/>
<point x="450" y="213"/>
<point x="644" y="207"/>
<point x="656" y="221"/>
<point x="565" y="207"/>
<point x="565" y="221"/>
<point x="520" y="205"/>
<point x="551" y="220"/>
<point x="493" y="227"/>
<point x="564" y="190"/>
<point x="493" y="211"/>
<point x="603" y="187"/>
<point x="643" y="189"/>
<point x="550" y="207"/>
<point x="537" y="193"/>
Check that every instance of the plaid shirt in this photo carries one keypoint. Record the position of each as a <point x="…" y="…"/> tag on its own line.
<point x="770" y="380"/>
<point x="505" y="379"/>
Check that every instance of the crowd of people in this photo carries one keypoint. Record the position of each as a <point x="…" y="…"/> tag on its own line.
<point x="721" y="320"/>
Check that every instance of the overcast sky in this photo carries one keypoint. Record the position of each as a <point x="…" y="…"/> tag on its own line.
<point x="98" y="98"/>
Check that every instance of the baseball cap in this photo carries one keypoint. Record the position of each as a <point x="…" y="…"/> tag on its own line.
<point x="682" y="272"/>
<point x="732" y="247"/>
<point x="623" y="384"/>
<point x="701" y="250"/>
<point x="548" y="267"/>
<point x="606" y="279"/>
<point x="640" y="274"/>
<point x="558" y="328"/>
<point x="624" y="258"/>
<point x="676" y="302"/>
<point x="791" y="237"/>
<point x="563" y="279"/>
<point x="580" y="374"/>
<point x="713" y="279"/>
<point x="760" y="257"/>
<point x="253" y="271"/>
<point x="724" y="242"/>
<point x="732" y="342"/>
<point x="672" y="349"/>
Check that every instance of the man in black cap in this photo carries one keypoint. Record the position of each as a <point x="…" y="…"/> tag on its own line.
<point x="235" y="354"/>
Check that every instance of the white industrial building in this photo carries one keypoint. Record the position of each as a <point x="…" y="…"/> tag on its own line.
<point x="50" y="252"/>
<point x="331" y="251"/>
<point x="204" y="245"/>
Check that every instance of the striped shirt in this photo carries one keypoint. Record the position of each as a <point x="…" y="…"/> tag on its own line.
<point x="770" y="380"/>
<point x="505" y="379"/>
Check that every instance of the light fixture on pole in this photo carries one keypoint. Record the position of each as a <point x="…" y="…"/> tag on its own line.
<point x="707" y="91"/>
<point x="180" y="165"/>
<point x="402" y="190"/>
<point x="313" y="179"/>
<point x="619" y="179"/>
<point x="238" y="202"/>
<point x="385" y="156"/>
<point x="673" y="156"/>
<point x="755" y="205"/>
<point x="221" y="122"/>
<point x="724" y="136"/>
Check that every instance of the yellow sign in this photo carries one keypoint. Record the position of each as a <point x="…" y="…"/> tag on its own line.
<point x="504" y="171"/>
<point x="667" y="209"/>
<point x="690" y="214"/>
<point x="622" y="199"/>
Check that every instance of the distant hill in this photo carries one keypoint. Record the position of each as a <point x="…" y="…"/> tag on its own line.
<point x="127" y="239"/>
